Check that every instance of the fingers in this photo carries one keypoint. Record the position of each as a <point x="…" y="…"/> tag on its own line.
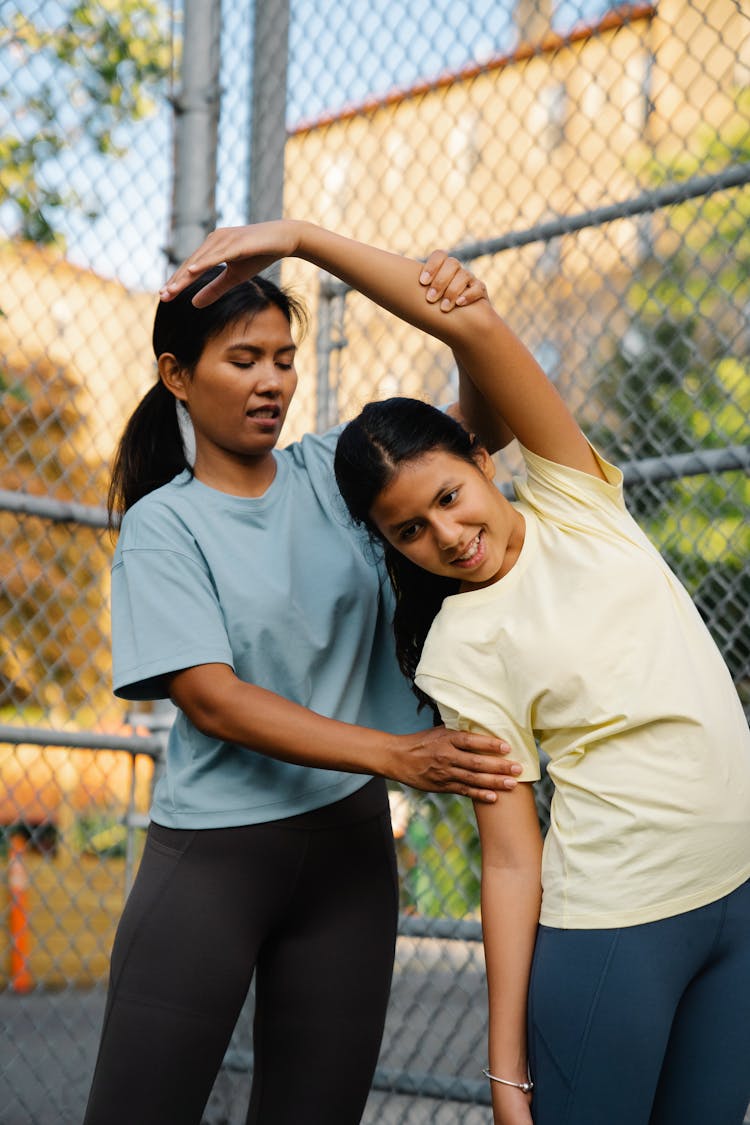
<point x="209" y="253"/>
<point x="450" y="283"/>
<point x="244" y="251"/>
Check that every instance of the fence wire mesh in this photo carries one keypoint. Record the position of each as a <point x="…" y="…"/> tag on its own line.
<point x="591" y="161"/>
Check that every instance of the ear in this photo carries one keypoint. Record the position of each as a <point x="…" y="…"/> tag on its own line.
<point x="485" y="464"/>
<point x="173" y="376"/>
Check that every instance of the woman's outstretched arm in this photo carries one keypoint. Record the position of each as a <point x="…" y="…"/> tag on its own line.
<point x="499" y="366"/>
<point x="222" y="706"/>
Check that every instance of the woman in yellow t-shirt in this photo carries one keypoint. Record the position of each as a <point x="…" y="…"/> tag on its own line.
<point x="618" y="960"/>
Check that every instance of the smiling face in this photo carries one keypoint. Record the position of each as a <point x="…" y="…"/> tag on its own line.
<point x="446" y="516"/>
<point x="238" y="393"/>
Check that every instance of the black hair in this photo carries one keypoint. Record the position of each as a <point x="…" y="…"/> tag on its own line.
<point x="151" y="451"/>
<point x="369" y="453"/>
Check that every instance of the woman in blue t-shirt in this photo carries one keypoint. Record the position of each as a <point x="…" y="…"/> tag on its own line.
<point x="241" y="592"/>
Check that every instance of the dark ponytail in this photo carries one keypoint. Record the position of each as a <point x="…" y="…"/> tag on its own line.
<point x="151" y="450"/>
<point x="370" y="451"/>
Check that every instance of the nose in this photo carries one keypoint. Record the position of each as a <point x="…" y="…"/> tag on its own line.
<point x="269" y="378"/>
<point x="447" y="532"/>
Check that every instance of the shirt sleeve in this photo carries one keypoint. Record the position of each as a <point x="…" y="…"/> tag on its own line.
<point x="560" y="492"/>
<point x="165" y="616"/>
<point x="462" y="709"/>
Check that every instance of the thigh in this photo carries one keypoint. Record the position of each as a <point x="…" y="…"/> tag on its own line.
<point x="322" y="985"/>
<point x="706" y="1072"/>
<point x="601" y="1004"/>
<point x="181" y="966"/>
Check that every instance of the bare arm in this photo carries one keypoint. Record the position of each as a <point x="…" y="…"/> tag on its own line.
<point x="441" y="279"/>
<point x="510" y="381"/>
<point x="222" y="706"/>
<point x="511" y="897"/>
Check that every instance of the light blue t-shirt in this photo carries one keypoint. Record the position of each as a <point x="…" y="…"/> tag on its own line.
<point x="284" y="590"/>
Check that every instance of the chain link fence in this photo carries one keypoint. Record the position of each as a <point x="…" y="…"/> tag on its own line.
<point x="590" y="161"/>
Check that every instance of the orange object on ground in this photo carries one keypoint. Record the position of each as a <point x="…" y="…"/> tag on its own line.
<point x="20" y="934"/>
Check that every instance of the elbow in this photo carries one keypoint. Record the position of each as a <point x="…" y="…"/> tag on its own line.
<point x="208" y="717"/>
<point x="464" y="326"/>
<point x="205" y="699"/>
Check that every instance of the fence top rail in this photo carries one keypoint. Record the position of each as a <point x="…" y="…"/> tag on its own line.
<point x="672" y="466"/>
<point x="59" y="511"/>
<point x="654" y="199"/>
<point x="81" y="740"/>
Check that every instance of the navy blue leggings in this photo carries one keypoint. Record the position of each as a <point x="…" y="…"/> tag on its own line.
<point x="645" y="1025"/>
<point x="310" y="905"/>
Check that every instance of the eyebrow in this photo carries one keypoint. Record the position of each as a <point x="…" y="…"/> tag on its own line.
<point x="446" y="487"/>
<point x="260" y="351"/>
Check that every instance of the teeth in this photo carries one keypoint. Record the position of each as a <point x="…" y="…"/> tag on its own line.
<point x="471" y="551"/>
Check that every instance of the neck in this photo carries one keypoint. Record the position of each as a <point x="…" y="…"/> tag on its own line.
<point x="234" y="474"/>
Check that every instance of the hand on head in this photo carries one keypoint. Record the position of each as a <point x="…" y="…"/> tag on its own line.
<point x="245" y="251"/>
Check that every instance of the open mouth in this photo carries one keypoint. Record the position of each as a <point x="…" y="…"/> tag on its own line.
<point x="267" y="413"/>
<point x="471" y="554"/>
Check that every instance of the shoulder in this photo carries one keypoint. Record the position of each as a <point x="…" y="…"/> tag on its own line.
<point x="553" y="489"/>
<point x="160" y="520"/>
<point x="314" y="450"/>
<point x="310" y="463"/>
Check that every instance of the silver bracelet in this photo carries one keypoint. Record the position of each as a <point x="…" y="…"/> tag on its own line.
<point x="527" y="1087"/>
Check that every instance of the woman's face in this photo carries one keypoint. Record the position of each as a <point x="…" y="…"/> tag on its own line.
<point x="446" y="516"/>
<point x="240" y="390"/>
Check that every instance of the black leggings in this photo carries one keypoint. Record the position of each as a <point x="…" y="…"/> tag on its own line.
<point x="310" y="904"/>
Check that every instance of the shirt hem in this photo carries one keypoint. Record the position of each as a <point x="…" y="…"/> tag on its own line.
<point x="262" y="814"/>
<point x="656" y="913"/>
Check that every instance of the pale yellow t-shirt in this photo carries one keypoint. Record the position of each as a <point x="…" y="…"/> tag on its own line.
<point x="591" y="646"/>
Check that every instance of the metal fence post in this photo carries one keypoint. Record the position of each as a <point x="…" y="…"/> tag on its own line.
<point x="268" y="122"/>
<point x="196" y="126"/>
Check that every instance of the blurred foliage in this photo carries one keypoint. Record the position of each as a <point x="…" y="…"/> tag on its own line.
<point x="101" y="834"/>
<point x="678" y="380"/>
<point x="51" y="603"/>
<point x="442" y="881"/>
<point x="78" y="76"/>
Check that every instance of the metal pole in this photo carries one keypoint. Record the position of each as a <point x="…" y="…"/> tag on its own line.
<point x="268" y="122"/>
<point x="196" y="129"/>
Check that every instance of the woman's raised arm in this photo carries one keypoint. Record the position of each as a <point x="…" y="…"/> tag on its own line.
<point x="499" y="366"/>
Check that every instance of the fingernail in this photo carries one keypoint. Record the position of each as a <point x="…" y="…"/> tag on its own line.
<point x="424" y="277"/>
<point x="446" y="305"/>
<point x="516" y="769"/>
<point x="431" y="294"/>
<point x="510" y="783"/>
<point x="461" y="300"/>
<point x="163" y="293"/>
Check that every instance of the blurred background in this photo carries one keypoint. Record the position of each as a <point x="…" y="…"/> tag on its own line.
<point x="590" y="161"/>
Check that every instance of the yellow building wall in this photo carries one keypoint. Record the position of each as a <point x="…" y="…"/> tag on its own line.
<point x="563" y="131"/>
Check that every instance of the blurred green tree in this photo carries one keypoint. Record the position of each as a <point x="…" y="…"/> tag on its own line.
<point x="80" y="71"/>
<point x="677" y="379"/>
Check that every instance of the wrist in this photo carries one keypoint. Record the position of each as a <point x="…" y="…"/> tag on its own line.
<point x="305" y="242"/>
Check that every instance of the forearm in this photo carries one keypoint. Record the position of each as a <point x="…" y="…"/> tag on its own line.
<point x="224" y="707"/>
<point x="511" y="897"/>
<point x="390" y="280"/>
<point x="261" y="720"/>
<point x="510" y="914"/>
<point x="477" y="418"/>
